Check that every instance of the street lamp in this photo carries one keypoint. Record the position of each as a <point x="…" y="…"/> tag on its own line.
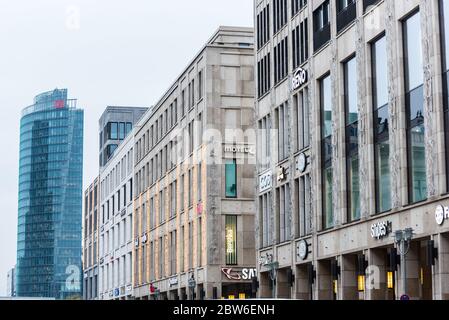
<point x="192" y="284"/>
<point x="403" y="239"/>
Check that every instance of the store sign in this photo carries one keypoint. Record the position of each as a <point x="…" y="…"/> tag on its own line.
<point x="173" y="282"/>
<point x="239" y="149"/>
<point x="441" y="214"/>
<point x="265" y="182"/>
<point x="239" y="274"/>
<point x="381" y="229"/>
<point x="299" y="78"/>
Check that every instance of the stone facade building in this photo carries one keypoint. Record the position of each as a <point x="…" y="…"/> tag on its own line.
<point x="352" y="112"/>
<point x="194" y="202"/>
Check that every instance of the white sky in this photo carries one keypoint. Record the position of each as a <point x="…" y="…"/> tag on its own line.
<point x="119" y="52"/>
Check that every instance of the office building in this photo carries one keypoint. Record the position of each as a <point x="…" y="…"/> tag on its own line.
<point x="194" y="185"/>
<point x="50" y="198"/>
<point x="352" y="111"/>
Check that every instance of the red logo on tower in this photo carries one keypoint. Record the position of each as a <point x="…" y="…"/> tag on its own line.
<point x="59" y="104"/>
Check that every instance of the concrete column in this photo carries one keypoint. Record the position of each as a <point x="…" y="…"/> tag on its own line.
<point x="283" y="289"/>
<point x="265" y="290"/>
<point x="349" y="278"/>
<point x="376" y="284"/>
<point x="323" y="287"/>
<point x="441" y="268"/>
<point x="302" y="287"/>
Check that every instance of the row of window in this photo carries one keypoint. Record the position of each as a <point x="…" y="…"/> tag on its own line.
<point x="168" y="118"/>
<point x="116" y="237"/>
<point x="115" y="274"/>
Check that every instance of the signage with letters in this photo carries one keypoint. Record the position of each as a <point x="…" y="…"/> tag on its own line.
<point x="239" y="274"/>
<point x="299" y="78"/>
<point x="381" y="229"/>
<point x="265" y="182"/>
<point x="239" y="149"/>
<point x="441" y="214"/>
<point x="173" y="282"/>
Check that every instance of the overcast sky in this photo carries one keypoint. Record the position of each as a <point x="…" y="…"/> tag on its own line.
<point x="106" y="52"/>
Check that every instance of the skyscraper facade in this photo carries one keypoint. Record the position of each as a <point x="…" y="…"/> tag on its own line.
<point x="50" y="198"/>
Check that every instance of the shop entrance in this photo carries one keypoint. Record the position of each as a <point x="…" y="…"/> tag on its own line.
<point x="305" y="277"/>
<point x="284" y="283"/>
<point x="328" y="273"/>
<point x="265" y="285"/>
<point x="236" y="291"/>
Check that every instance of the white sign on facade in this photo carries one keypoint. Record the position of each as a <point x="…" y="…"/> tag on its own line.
<point x="265" y="182"/>
<point x="441" y="214"/>
<point x="381" y="229"/>
<point x="299" y="78"/>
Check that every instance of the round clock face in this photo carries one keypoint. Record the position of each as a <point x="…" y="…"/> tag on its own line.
<point x="439" y="215"/>
<point x="302" y="162"/>
<point x="303" y="250"/>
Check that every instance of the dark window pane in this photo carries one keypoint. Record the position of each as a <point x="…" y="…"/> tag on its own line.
<point x="383" y="199"/>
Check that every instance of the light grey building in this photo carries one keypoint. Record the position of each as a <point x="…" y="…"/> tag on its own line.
<point x="194" y="178"/>
<point x="115" y="223"/>
<point x="11" y="283"/>
<point x="352" y="111"/>
<point x="114" y="126"/>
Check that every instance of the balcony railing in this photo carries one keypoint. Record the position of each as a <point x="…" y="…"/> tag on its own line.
<point x="321" y="37"/>
<point x="369" y="3"/>
<point x="346" y="16"/>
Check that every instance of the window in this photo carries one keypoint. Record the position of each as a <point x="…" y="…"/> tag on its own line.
<point x="346" y="13"/>
<point x="183" y="103"/>
<point x="263" y="26"/>
<point x="367" y="4"/>
<point x="173" y="199"/>
<point x="152" y="214"/>
<point x="263" y="75"/>
<point x="190" y="187"/>
<point x="122" y="133"/>
<point x="304" y="205"/>
<point x="173" y="252"/>
<point x="190" y="245"/>
<point x="281" y="61"/>
<point x="297" y="5"/>
<point x="231" y="178"/>
<point x="279" y="14"/>
<point x="321" y="26"/>
<point x="113" y="130"/>
<point x="181" y="250"/>
<point x="144" y="264"/>
<point x="264" y="141"/>
<point x="199" y="181"/>
<point x="444" y="21"/>
<point x="414" y="108"/>
<point x="300" y="42"/>
<point x="181" y="193"/>
<point x="200" y="243"/>
<point x="161" y="258"/>
<point x="231" y="240"/>
<point x="301" y="107"/>
<point x="326" y="145"/>
<point x="152" y="276"/>
<point x="266" y="213"/>
<point x="283" y="213"/>
<point x="282" y="119"/>
<point x="200" y="85"/>
<point x="192" y="94"/>
<point x="144" y="218"/>
<point x="352" y="149"/>
<point x="161" y="207"/>
<point x="381" y="127"/>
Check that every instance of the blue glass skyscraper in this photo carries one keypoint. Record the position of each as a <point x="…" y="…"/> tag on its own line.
<point x="50" y="198"/>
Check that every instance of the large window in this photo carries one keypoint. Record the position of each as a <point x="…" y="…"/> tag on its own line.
<point x="414" y="108"/>
<point x="263" y="75"/>
<point x="284" y="212"/>
<point x="281" y="61"/>
<point x="265" y="216"/>
<point x="352" y="150"/>
<point x="263" y="26"/>
<point x="301" y="107"/>
<point x="326" y="144"/>
<point x="279" y="14"/>
<point x="300" y="43"/>
<point x="321" y="26"/>
<point x="444" y="21"/>
<point x="231" y="178"/>
<point x="264" y="145"/>
<point x="282" y="119"/>
<point x="231" y="240"/>
<point x="346" y="13"/>
<point x="381" y="124"/>
<point x="303" y="202"/>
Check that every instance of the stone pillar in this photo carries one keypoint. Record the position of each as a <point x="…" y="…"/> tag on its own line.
<point x="441" y="268"/>
<point x="283" y="289"/>
<point x="376" y="285"/>
<point x="323" y="287"/>
<point x="265" y="290"/>
<point x="302" y="286"/>
<point x="348" y="278"/>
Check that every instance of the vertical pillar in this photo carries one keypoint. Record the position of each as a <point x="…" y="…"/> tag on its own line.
<point x="323" y="287"/>
<point x="283" y="289"/>
<point x="349" y="278"/>
<point x="302" y="286"/>
<point x="441" y="268"/>
<point x="412" y="273"/>
<point x="376" y="286"/>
